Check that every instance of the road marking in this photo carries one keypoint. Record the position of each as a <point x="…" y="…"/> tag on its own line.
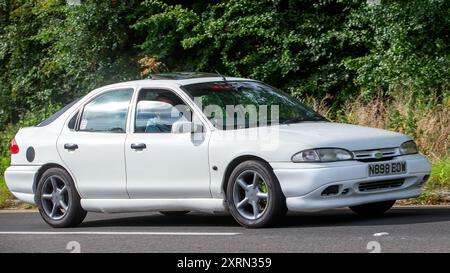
<point x="380" y="234"/>
<point x="117" y="233"/>
<point x="9" y="211"/>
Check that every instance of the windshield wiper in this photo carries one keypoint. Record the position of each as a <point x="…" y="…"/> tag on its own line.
<point x="298" y="120"/>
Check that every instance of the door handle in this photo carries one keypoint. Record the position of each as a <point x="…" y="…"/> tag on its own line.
<point x="138" y="146"/>
<point x="70" y="146"/>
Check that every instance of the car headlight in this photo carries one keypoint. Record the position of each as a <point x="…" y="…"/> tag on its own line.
<point x="322" y="155"/>
<point x="408" y="147"/>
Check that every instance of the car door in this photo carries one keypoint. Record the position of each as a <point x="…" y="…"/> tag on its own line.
<point x="161" y="164"/>
<point x="92" y="145"/>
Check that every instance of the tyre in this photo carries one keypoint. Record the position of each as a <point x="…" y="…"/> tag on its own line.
<point x="373" y="209"/>
<point x="173" y="213"/>
<point x="58" y="199"/>
<point x="254" y="195"/>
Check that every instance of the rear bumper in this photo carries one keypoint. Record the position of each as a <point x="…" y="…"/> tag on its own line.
<point x="303" y="184"/>
<point x="20" y="181"/>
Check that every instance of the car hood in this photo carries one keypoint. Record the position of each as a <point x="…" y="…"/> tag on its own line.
<point x="347" y="136"/>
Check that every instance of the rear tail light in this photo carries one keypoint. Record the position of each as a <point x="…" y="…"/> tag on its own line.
<point x="14" y="147"/>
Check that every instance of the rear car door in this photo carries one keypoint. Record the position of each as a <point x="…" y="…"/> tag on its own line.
<point x="92" y="145"/>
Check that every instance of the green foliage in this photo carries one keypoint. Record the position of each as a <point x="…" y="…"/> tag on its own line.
<point x="294" y="45"/>
<point x="4" y="193"/>
<point x="51" y="53"/>
<point x="88" y="46"/>
<point x="440" y="175"/>
<point x="406" y="124"/>
<point x="163" y="27"/>
<point x="407" y="46"/>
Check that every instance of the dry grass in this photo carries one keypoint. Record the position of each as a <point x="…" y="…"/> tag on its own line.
<point x="373" y="113"/>
<point x="428" y="124"/>
<point x="433" y="132"/>
<point x="149" y="65"/>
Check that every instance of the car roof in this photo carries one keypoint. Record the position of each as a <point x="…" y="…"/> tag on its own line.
<point x="178" y="78"/>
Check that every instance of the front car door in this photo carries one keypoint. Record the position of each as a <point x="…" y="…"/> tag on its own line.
<point x="161" y="164"/>
<point x="92" y="145"/>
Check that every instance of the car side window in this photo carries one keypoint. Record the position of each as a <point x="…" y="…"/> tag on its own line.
<point x="157" y="110"/>
<point x="107" y="112"/>
<point x="73" y="121"/>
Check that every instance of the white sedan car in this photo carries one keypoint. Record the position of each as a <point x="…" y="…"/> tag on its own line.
<point x="185" y="142"/>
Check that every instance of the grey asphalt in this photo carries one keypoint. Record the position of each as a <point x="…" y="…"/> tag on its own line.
<point x="417" y="229"/>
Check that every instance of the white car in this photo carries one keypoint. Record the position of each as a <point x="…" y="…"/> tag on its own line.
<point x="156" y="145"/>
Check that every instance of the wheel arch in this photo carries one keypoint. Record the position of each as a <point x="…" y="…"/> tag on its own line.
<point x="42" y="170"/>
<point x="233" y="164"/>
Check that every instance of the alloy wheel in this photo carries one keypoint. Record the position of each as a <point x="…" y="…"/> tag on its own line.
<point x="55" y="197"/>
<point x="250" y="195"/>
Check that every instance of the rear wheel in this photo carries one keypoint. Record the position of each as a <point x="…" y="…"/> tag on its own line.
<point x="373" y="209"/>
<point x="254" y="195"/>
<point x="58" y="199"/>
<point x="173" y="213"/>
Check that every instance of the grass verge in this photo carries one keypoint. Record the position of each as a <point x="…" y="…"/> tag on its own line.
<point x="4" y="193"/>
<point x="440" y="175"/>
<point x="437" y="189"/>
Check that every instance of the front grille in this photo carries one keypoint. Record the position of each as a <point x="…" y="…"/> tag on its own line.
<point x="375" y="160"/>
<point x="371" y="155"/>
<point x="380" y="185"/>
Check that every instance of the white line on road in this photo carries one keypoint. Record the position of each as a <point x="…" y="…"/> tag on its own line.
<point x="116" y="233"/>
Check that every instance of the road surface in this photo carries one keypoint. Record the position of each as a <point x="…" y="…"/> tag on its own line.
<point x="402" y="229"/>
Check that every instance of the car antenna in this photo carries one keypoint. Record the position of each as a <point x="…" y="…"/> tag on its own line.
<point x="222" y="76"/>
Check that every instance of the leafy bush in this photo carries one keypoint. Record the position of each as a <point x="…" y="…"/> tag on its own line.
<point x="51" y="53"/>
<point x="440" y="175"/>
<point x="408" y="46"/>
<point x="294" y="45"/>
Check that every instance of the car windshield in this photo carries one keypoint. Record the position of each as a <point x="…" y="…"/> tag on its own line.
<point x="245" y="104"/>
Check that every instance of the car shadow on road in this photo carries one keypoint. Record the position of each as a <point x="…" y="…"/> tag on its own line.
<point x="158" y="220"/>
<point x="338" y="217"/>
<point x="345" y="217"/>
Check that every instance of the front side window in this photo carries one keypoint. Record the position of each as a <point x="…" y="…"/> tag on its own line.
<point x="73" y="121"/>
<point x="107" y="112"/>
<point x="157" y="110"/>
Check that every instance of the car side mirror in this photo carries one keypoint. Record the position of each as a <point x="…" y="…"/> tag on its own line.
<point x="183" y="127"/>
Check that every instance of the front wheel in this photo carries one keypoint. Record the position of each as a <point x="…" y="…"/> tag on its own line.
<point x="373" y="209"/>
<point x="58" y="199"/>
<point x="254" y="195"/>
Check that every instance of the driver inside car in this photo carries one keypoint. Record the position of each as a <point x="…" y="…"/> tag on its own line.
<point x="162" y="113"/>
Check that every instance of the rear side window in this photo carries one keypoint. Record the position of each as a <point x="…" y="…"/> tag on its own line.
<point x="57" y="114"/>
<point x="107" y="112"/>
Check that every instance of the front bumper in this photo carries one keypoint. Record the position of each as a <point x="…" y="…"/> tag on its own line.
<point x="303" y="183"/>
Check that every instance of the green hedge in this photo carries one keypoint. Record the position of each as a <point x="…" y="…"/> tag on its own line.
<point x="51" y="52"/>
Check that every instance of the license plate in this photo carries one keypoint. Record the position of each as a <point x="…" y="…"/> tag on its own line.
<point x="391" y="168"/>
